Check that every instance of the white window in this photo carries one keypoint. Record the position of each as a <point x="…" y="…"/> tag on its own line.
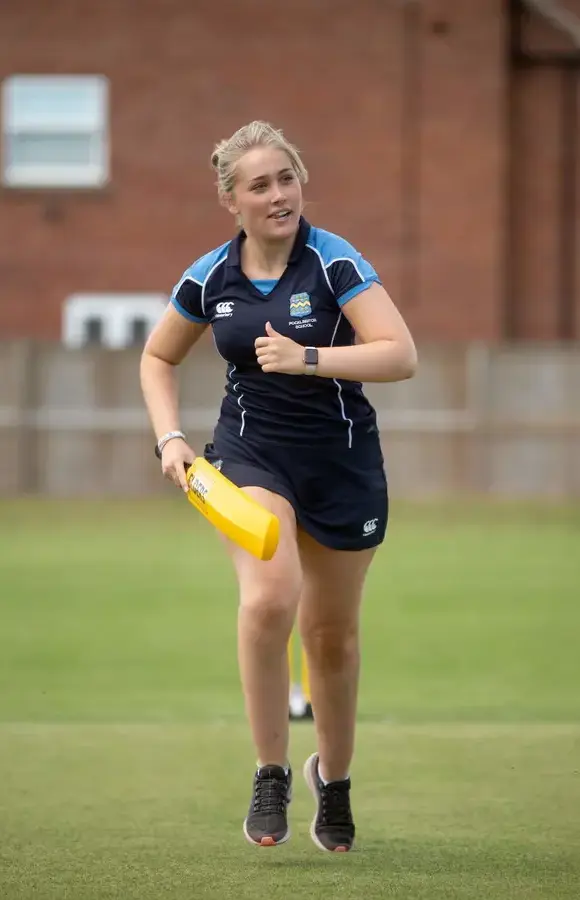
<point x="55" y="131"/>
<point x="115" y="321"/>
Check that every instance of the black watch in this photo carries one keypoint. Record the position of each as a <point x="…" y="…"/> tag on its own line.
<point x="310" y="360"/>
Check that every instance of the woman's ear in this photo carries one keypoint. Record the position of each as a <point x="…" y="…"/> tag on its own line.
<point x="229" y="203"/>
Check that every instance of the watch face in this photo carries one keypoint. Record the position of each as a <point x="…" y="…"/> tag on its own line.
<point x="310" y="356"/>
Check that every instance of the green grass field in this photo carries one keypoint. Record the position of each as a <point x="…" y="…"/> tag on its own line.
<point x="125" y="761"/>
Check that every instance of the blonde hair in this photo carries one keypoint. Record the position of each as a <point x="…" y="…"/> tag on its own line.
<point x="257" y="134"/>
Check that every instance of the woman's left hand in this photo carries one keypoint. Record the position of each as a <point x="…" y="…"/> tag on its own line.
<point x="276" y="353"/>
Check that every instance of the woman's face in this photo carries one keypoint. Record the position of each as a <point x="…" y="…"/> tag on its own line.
<point x="267" y="194"/>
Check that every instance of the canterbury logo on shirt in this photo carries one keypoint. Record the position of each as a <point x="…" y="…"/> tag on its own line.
<point x="224" y="309"/>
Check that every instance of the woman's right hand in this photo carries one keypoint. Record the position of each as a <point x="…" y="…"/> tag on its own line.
<point x="176" y="456"/>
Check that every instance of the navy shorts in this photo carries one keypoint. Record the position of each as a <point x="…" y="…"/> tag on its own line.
<point x="339" y="495"/>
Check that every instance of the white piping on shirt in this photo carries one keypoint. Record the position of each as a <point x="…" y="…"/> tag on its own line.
<point x="235" y="386"/>
<point x="337" y="383"/>
<point x="339" y="388"/>
<point x="206" y="279"/>
<point x="345" y="259"/>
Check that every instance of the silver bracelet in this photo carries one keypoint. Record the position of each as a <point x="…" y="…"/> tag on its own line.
<point x="169" y="437"/>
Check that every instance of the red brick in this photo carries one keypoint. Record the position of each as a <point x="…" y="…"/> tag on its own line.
<point x="424" y="199"/>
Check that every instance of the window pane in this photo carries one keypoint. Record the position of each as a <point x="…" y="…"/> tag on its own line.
<point x="55" y="101"/>
<point x="50" y="149"/>
<point x="93" y="331"/>
<point x="139" y="331"/>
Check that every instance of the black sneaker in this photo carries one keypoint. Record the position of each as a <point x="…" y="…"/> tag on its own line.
<point x="332" y="828"/>
<point x="266" y="823"/>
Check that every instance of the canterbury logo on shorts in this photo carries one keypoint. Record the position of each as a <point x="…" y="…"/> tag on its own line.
<point x="370" y="526"/>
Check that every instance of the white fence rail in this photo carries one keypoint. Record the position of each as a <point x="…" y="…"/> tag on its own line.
<point x="501" y="420"/>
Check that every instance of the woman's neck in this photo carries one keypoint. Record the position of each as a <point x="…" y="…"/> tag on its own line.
<point x="265" y="259"/>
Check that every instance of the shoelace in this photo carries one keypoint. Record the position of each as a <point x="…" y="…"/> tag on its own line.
<point x="270" y="796"/>
<point x="335" y="805"/>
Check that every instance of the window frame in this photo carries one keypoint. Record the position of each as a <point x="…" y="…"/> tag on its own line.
<point x="49" y="175"/>
<point x="116" y="310"/>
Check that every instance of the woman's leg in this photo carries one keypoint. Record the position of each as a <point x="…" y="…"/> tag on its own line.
<point x="269" y="595"/>
<point x="329" y="625"/>
<point x="328" y="618"/>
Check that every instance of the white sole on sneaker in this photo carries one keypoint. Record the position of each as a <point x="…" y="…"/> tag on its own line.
<point x="309" y="772"/>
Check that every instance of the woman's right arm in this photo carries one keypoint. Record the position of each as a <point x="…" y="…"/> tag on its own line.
<point x="169" y="343"/>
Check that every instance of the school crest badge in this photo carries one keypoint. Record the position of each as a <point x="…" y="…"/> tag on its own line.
<point x="300" y="305"/>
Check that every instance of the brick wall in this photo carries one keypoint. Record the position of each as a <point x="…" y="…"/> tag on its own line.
<point x="399" y="108"/>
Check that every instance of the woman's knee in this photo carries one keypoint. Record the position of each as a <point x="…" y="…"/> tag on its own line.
<point x="269" y="591"/>
<point x="269" y="600"/>
<point x="268" y="606"/>
<point x="331" y="645"/>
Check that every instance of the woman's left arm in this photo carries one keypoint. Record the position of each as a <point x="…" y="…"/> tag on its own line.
<point x="385" y="350"/>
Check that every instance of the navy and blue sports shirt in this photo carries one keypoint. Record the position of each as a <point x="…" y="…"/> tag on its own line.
<point x="323" y="273"/>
